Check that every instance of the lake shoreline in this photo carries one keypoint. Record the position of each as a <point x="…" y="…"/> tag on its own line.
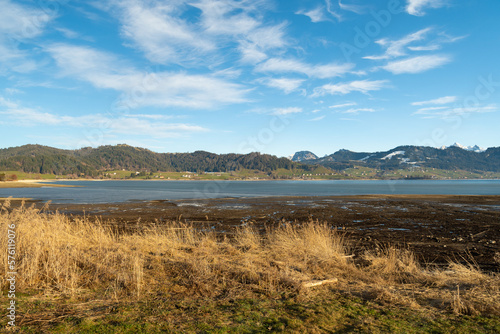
<point x="31" y="184"/>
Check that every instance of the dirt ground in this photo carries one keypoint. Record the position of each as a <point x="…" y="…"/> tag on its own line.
<point x="437" y="228"/>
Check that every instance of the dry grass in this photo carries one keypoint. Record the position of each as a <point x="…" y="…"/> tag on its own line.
<point x="78" y="258"/>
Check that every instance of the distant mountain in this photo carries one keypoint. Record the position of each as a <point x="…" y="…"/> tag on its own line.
<point x="303" y="156"/>
<point x="92" y="161"/>
<point x="474" y="148"/>
<point x="454" y="157"/>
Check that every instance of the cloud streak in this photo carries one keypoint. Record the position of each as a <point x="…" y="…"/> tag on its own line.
<point x="287" y="111"/>
<point x="279" y="65"/>
<point x="416" y="64"/>
<point x="450" y="112"/>
<point x="142" y="125"/>
<point x="362" y="86"/>
<point x="285" y="84"/>
<point x="397" y="48"/>
<point x="440" y="100"/>
<point x="418" y="7"/>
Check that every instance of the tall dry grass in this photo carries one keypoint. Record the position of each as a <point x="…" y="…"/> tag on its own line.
<point x="78" y="257"/>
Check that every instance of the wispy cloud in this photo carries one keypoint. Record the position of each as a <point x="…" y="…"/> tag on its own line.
<point x="418" y="7"/>
<point x="287" y="111"/>
<point x="450" y="112"/>
<point x="12" y="91"/>
<point x="417" y="64"/>
<point x="159" y="32"/>
<point x="278" y="65"/>
<point x="343" y="105"/>
<point x="285" y="84"/>
<point x="319" y="118"/>
<point x="441" y="108"/>
<point x="316" y="15"/>
<point x="104" y="70"/>
<point x="356" y="111"/>
<point x="397" y="48"/>
<point x="331" y="11"/>
<point x="166" y="36"/>
<point x="146" y="125"/>
<point x="19" y="23"/>
<point x="440" y="100"/>
<point x="362" y="86"/>
<point x="352" y="7"/>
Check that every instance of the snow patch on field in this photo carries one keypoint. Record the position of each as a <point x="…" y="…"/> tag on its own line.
<point x="388" y="156"/>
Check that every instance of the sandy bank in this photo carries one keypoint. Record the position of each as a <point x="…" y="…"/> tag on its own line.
<point x="30" y="184"/>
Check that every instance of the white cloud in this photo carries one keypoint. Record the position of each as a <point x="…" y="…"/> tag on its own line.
<point x="319" y="118"/>
<point x="278" y="65"/>
<point x="285" y="84"/>
<point x="250" y="53"/>
<point x="331" y="11"/>
<point x="448" y="112"/>
<point x="362" y="86"/>
<point x="425" y="110"/>
<point x="441" y="100"/>
<point x="416" y="64"/>
<point x="158" y="31"/>
<point x="287" y="111"/>
<point x="19" y="23"/>
<point x="12" y="91"/>
<point x="68" y="33"/>
<point x="430" y="47"/>
<point x="343" y="105"/>
<point x="104" y="70"/>
<point x="418" y="7"/>
<point x="352" y="8"/>
<point x="357" y="110"/>
<point x="166" y="36"/>
<point x="142" y="125"/>
<point x="316" y="15"/>
<point x="397" y="48"/>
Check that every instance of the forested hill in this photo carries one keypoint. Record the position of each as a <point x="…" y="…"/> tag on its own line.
<point x="91" y="161"/>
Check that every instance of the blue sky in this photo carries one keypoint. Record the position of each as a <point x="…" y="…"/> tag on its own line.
<point x="240" y="76"/>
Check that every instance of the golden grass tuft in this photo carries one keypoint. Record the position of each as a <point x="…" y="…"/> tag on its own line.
<point x="79" y="258"/>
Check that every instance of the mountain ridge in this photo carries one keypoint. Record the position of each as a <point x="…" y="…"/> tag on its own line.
<point x="94" y="161"/>
<point x="454" y="157"/>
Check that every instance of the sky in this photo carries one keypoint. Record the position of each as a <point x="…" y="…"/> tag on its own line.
<point x="272" y="76"/>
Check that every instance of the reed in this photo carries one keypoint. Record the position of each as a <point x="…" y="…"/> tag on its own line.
<point x="76" y="257"/>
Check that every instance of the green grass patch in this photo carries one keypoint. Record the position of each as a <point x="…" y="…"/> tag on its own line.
<point x="325" y="311"/>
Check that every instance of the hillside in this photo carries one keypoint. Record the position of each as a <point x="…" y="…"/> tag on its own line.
<point x="92" y="161"/>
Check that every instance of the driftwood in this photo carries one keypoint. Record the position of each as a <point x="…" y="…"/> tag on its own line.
<point x="479" y="235"/>
<point x="313" y="283"/>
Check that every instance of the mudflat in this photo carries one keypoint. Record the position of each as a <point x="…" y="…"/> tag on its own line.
<point x="437" y="228"/>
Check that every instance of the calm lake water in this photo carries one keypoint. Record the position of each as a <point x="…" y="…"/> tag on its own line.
<point x="121" y="191"/>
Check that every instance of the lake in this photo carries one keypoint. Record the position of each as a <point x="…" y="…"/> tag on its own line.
<point x="121" y="191"/>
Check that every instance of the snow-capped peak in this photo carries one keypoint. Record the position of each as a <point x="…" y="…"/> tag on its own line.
<point x="474" y="148"/>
